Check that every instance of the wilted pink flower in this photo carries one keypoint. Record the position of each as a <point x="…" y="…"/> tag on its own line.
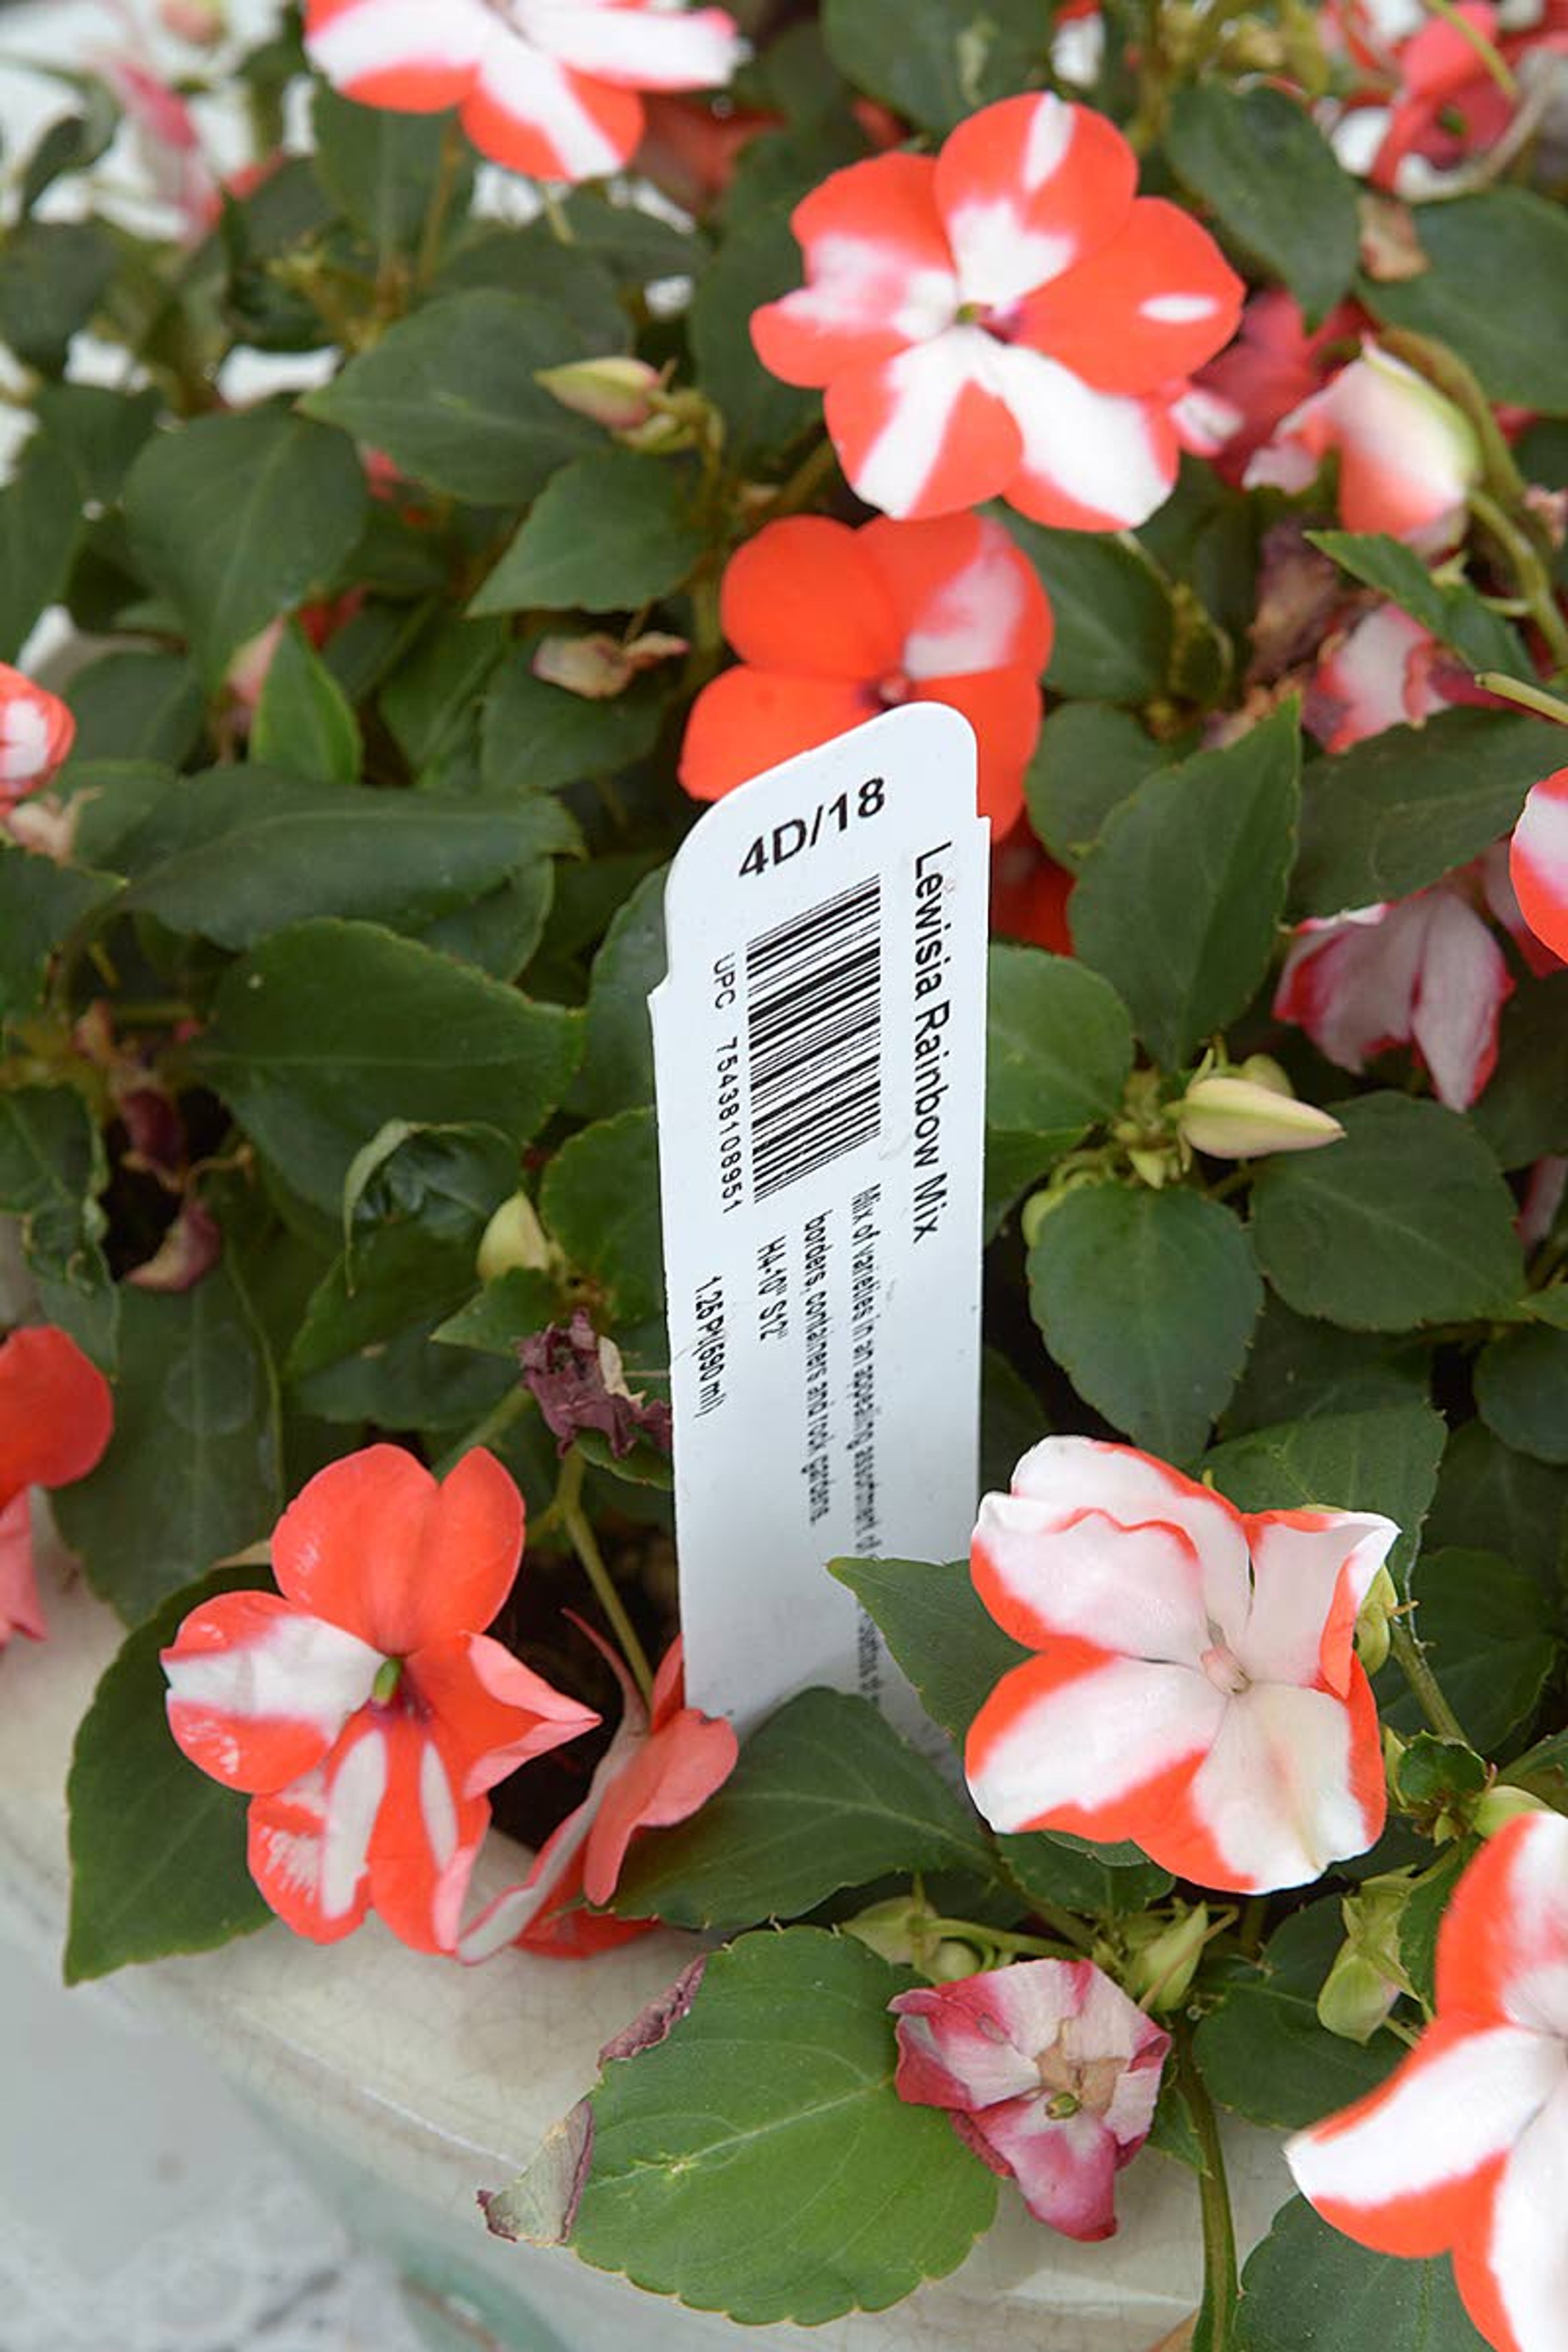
<point x="580" y="1383"/>
<point x="1385" y="671"/>
<point x="1408" y="457"/>
<point x="1048" y="2073"/>
<point x="1196" y="1687"/>
<point x="55" y="1417"/>
<point x="1538" y="862"/>
<point x="37" y="732"/>
<point x="1463" y="2150"/>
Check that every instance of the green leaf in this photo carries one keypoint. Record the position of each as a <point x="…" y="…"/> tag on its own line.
<point x="936" y="60"/>
<point x="609" y="533"/>
<point x="383" y="169"/>
<point x="938" y="1631"/>
<point x="192" y="1472"/>
<point x="1262" y="165"/>
<point x="1115" y="629"/>
<point x="1490" y="1635"/>
<point x="1012" y="1420"/>
<point x="450" y="395"/>
<point x="1179" y="901"/>
<point x="1306" y="2288"/>
<point x="429" y="701"/>
<point x="1385" y="1459"/>
<point x="1450" y="609"/>
<point x="756" y="263"/>
<point x="1518" y="350"/>
<point x="51" y="1168"/>
<point x="826" y="1795"/>
<point x="238" y="519"/>
<point x="1147" y="1300"/>
<point x="157" y="1850"/>
<point x="1403" y="808"/>
<point x="511" y="1307"/>
<point x="1521" y="1391"/>
<point x="1524" y="1113"/>
<point x="600" y="1201"/>
<point x="501" y="932"/>
<point x="1082" y="1877"/>
<point x="1406" y="1221"/>
<point x="1297" y="1369"/>
<point x="759" y="2160"/>
<point x="537" y="736"/>
<point x="237" y="853"/>
<point x="1263" y="2053"/>
<point x="100" y="430"/>
<point x="1422" y="1919"/>
<point x="617" y="1057"/>
<point x="1058" y="1047"/>
<point x="1492" y="1499"/>
<point x="39" y="903"/>
<point x="1089" y="759"/>
<point x="303" y="721"/>
<point x="533" y="262"/>
<point x="137" y="706"/>
<point x="53" y="276"/>
<point x="40" y="527"/>
<point x="327" y="1030"/>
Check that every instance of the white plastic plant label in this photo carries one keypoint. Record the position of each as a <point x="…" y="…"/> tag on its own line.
<point x="820" y="1045"/>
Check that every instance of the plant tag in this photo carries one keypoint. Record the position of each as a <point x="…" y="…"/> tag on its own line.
<point x="820" y="1046"/>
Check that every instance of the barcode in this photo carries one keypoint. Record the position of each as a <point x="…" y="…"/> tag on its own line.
<point x="813" y="1031"/>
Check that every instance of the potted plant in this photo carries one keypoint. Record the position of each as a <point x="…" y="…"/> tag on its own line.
<point x="1179" y="400"/>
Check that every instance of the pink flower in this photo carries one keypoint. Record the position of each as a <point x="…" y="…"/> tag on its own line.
<point x="1408" y="457"/>
<point x="658" y="1770"/>
<point x="1538" y="862"/>
<point x="168" y="145"/>
<point x="360" y="1711"/>
<point x="1050" y="2075"/>
<point x="37" y="732"/>
<point x="546" y="87"/>
<point x="1385" y="671"/>
<point x="1006" y="318"/>
<point x="55" y="1417"/>
<point x="1465" y="2148"/>
<point x="1271" y="368"/>
<point x="1426" y="972"/>
<point x="1195" y="1689"/>
<point x="835" y="625"/>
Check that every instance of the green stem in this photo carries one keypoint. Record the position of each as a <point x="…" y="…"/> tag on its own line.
<point x="568" y="1507"/>
<point x="1530" y="697"/>
<point x="804" y="482"/>
<point x="1222" y="2292"/>
<point x="1534" y="580"/>
<point x="1429" y="1697"/>
<point x="431" y="242"/>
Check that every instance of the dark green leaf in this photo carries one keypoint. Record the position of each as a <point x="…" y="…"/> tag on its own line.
<point x="609" y="533"/>
<point x="1518" y="350"/>
<point x="826" y="1795"/>
<point x="53" y="276"/>
<point x="157" y="1849"/>
<point x="327" y="1030"/>
<point x="39" y="903"/>
<point x="1179" y="901"/>
<point x="756" y="263"/>
<point x="1012" y="1420"/>
<point x="537" y="736"/>
<point x="1089" y="759"/>
<point x="1262" y="165"/>
<point x="100" y="430"/>
<point x="533" y="262"/>
<point x="1422" y="1917"/>
<point x="511" y="1307"/>
<point x="759" y="2160"/>
<point x="40" y="525"/>
<point x="1521" y="1389"/>
<point x="431" y="699"/>
<point x="938" y="1631"/>
<point x="1450" y="609"/>
<point x="1490" y="1636"/>
<point x="1297" y="1369"/>
<point x="936" y="60"/>
<point x="600" y="1201"/>
<point x="1385" y="1459"/>
<point x="383" y="168"/>
<point x="500" y="931"/>
<point x="1115" y="628"/>
<point x="1081" y="1878"/>
<point x="1406" y="1221"/>
<point x="303" y="722"/>
<point x="1059" y="1046"/>
<point x="1147" y="1300"/>
<point x="137" y="706"/>
<point x="1524" y="1113"/>
<point x="1264" y="2054"/>
<point x="405" y="1382"/>
<point x="1306" y="2289"/>
<point x="618" y="1058"/>
<point x="238" y="519"/>
<point x="51" y="1168"/>
<point x="72" y="143"/>
<point x="1492" y="1499"/>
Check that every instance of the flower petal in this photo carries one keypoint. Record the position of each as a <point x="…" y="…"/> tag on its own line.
<point x="637" y="48"/>
<point x="1311" y="1571"/>
<point x="1151" y="306"/>
<point x="1005" y="708"/>
<point x="803" y="597"/>
<point x="427" y="1834"/>
<point x="57" y="1413"/>
<point x="309" y="1845"/>
<point x="21" y="1610"/>
<point x="259" y="1689"/>
<point x="925" y="433"/>
<point x="1462" y="986"/>
<point x="972" y="2043"/>
<point x="539" y="118"/>
<point x="1502" y="1949"/>
<point x="1027" y="188"/>
<point x="746" y="720"/>
<point x="494" y="1712"/>
<point x="399" y="53"/>
<point x="966" y="601"/>
<point x="1293" y="1782"/>
<point x="1538" y="862"/>
<point x="1351" y="985"/>
<point x="1091" y="460"/>
<point x="670" y="1777"/>
<point x="1400" y="2171"/>
<point x="372" y="1543"/>
<point x="1513" y="2275"/>
<point x="36" y="732"/>
<point x="880" y="273"/>
<point x="1066" y="2170"/>
<point x="1079" y="1740"/>
<point x="1138" y="1590"/>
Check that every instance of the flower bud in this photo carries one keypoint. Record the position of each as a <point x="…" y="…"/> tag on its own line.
<point x="895" y="1930"/>
<point x="614" y="392"/>
<point x="1237" y="1118"/>
<point x="514" y="1237"/>
<point x="1356" y="1996"/>
<point x="1378" y="1611"/>
<point x="1502" y="1805"/>
<point x="953" y="1959"/>
<point x="1161" y="1974"/>
<point x="201" y="22"/>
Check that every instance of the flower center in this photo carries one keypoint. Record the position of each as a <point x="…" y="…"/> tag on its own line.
<point x="1226" y="1671"/>
<point x="1063" y="2105"/>
<point x="896" y="687"/>
<point x="383" y="1690"/>
<point x="1001" y="321"/>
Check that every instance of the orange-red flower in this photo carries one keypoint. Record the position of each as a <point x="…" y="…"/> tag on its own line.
<point x="55" y="1416"/>
<point x="834" y="625"/>
<point x="37" y="732"/>
<point x="1538" y="862"/>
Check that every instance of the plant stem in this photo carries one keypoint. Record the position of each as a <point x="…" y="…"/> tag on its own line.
<point x="568" y="1507"/>
<point x="1217" y="2315"/>
<point x="441" y="197"/>
<point x="1412" y="1662"/>
<point x="804" y="482"/>
<point x="1530" y="697"/>
<point x="1534" y="580"/>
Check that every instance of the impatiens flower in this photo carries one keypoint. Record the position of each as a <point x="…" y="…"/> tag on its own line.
<point x="55" y="1417"/>
<point x="1195" y="1689"/>
<point x="1049" y="2073"/>
<point x="1005" y="318"/>
<point x="1538" y="862"/>
<point x="834" y="625"/>
<point x="1426" y="972"/>
<point x="660" y="1769"/>
<point x="37" y="732"/>
<point x="1273" y="364"/>
<point x="1464" y="2149"/>
<point x="1029" y="894"/>
<point x="546" y="87"/>
<point x="1385" y="671"/>
<point x="358" y="1707"/>
<point x="1407" y="458"/>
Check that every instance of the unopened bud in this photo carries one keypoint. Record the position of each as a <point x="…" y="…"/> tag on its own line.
<point x="953" y="1959"/>
<point x="614" y="392"/>
<point x="1502" y="1805"/>
<point x="1151" y="1167"/>
<point x="894" y="1929"/>
<point x="514" y="1237"/>
<point x="201" y="22"/>
<point x="1378" y="1611"/>
<point x="1356" y="1996"/>
<point x="1161" y="1974"/>
<point x="1237" y="1119"/>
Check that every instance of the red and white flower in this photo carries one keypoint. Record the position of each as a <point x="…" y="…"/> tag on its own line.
<point x="1049" y="2074"/>
<point x="37" y="732"/>
<point x="358" y="1706"/>
<point x="1385" y="671"/>
<point x="549" y="88"/>
<point x="660" y="1768"/>
<point x="1275" y="363"/>
<point x="1196" y="1687"/>
<point x="1008" y="318"/>
<point x="1426" y="972"/>
<point x="834" y="625"/>
<point x="1407" y="458"/>
<point x="1465" y="2148"/>
<point x="55" y="1418"/>
<point x="1538" y="862"/>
